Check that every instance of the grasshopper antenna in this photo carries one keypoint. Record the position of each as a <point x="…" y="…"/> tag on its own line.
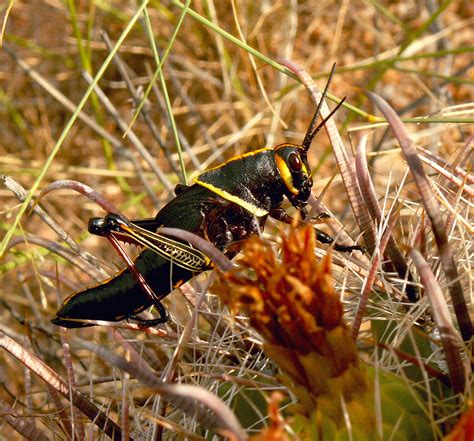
<point x="313" y="129"/>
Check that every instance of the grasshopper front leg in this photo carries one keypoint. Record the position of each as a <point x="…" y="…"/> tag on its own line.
<point x="281" y="215"/>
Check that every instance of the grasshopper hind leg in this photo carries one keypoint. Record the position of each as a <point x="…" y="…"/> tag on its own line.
<point x="149" y="323"/>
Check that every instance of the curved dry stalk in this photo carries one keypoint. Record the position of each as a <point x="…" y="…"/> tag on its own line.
<point x="370" y="279"/>
<point x="49" y="376"/>
<point x="23" y="425"/>
<point x="448" y="334"/>
<point x="432" y="210"/>
<point x="368" y="190"/>
<point x="21" y="194"/>
<point x="55" y="248"/>
<point x="195" y="401"/>
<point x="75" y="416"/>
<point x="81" y="188"/>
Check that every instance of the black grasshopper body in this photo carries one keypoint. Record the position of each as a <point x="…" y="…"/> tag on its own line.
<point x="225" y="218"/>
<point x="194" y="209"/>
<point x="226" y="205"/>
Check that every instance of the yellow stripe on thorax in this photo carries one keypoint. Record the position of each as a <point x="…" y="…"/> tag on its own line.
<point x="257" y="211"/>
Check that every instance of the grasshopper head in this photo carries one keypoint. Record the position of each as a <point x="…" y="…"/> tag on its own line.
<point x="292" y="162"/>
<point x="294" y="170"/>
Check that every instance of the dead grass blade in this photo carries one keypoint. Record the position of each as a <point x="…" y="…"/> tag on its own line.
<point x="143" y="109"/>
<point x="195" y="401"/>
<point x="368" y="190"/>
<point x="64" y="101"/>
<point x="82" y="188"/>
<point x="49" y="376"/>
<point x="432" y="210"/>
<point x="134" y="139"/>
<point x="21" y="194"/>
<point x="23" y="425"/>
<point x="448" y="334"/>
<point x="370" y="278"/>
<point x="76" y="422"/>
<point x="55" y="248"/>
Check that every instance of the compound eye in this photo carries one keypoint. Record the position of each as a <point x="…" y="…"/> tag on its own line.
<point x="96" y="226"/>
<point x="295" y="163"/>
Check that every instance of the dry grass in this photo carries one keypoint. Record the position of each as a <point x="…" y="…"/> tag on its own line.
<point x="224" y="101"/>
